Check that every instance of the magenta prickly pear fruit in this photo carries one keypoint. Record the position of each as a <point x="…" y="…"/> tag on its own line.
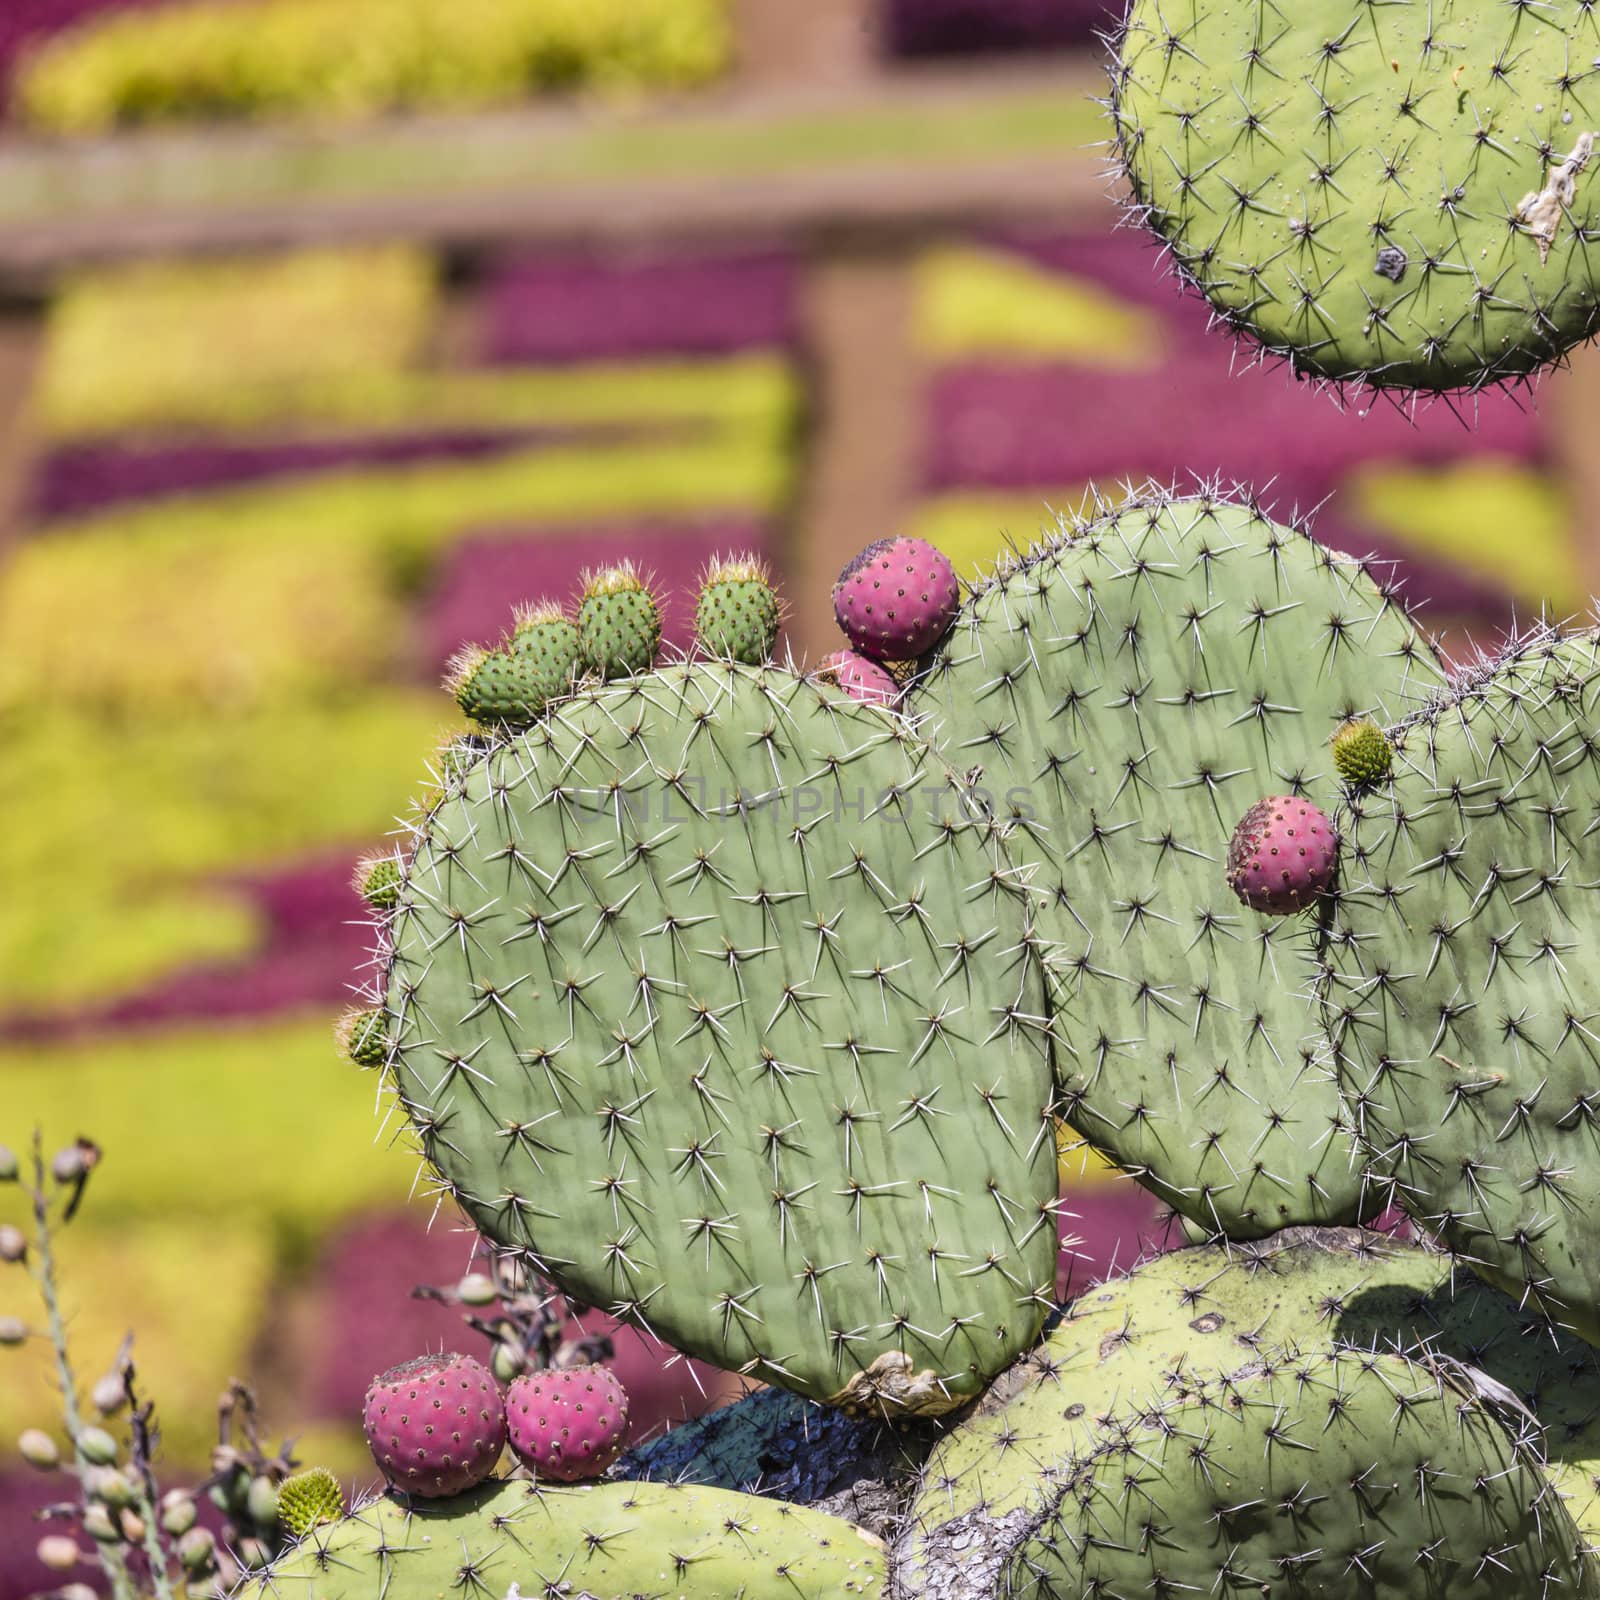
<point x="436" y="1425"/>
<point x="567" y="1425"/>
<point x="860" y="678"/>
<point x="897" y="599"/>
<point x="1282" y="855"/>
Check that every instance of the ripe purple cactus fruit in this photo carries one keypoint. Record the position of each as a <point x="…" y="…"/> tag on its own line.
<point x="436" y="1425"/>
<point x="860" y="678"/>
<point x="1282" y="855"/>
<point x="567" y="1425"/>
<point x="897" y="599"/>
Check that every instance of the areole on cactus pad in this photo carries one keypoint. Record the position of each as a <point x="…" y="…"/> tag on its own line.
<point x="1399" y="194"/>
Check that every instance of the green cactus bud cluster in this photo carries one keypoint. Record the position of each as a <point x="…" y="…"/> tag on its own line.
<point x="377" y="880"/>
<point x="737" y="615"/>
<point x="619" y="623"/>
<point x="544" y="642"/>
<point x="364" y="1036"/>
<point x="308" y="1499"/>
<point x="1362" y="756"/>
<point x="1406" y="200"/>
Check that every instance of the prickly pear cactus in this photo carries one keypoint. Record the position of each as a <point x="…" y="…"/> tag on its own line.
<point x="1460" y="991"/>
<point x="609" y="1542"/>
<point x="1122" y="696"/>
<point x="1339" y="1472"/>
<point x="1399" y="194"/>
<point x="709" y="996"/>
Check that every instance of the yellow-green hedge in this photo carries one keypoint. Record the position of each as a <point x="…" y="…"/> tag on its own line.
<point x="356" y="58"/>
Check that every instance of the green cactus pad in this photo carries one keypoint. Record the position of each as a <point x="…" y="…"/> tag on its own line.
<point x="712" y="1001"/>
<point x="1361" y="754"/>
<point x="1122" y="696"/>
<point x="619" y="624"/>
<point x="309" y="1499"/>
<point x="1388" y="193"/>
<point x="545" y="644"/>
<point x="1462" y="992"/>
<point x="1131" y="1343"/>
<point x="1345" y="1473"/>
<point x="607" y="1542"/>
<point x="737" y="615"/>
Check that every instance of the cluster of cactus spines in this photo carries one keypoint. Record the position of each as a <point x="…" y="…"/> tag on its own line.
<point x="609" y="1541"/>
<point x="1397" y="199"/>
<point x="1283" y="855"/>
<point x="309" y="1499"/>
<point x="567" y="1424"/>
<point x="737" y="615"/>
<point x="1127" y="691"/>
<point x="436" y="1425"/>
<point x="1459" y="993"/>
<point x="619" y="623"/>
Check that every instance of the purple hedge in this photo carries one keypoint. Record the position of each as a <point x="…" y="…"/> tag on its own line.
<point x="24" y="22"/>
<point x="78" y="479"/>
<point x="562" y="310"/>
<point x="915" y="28"/>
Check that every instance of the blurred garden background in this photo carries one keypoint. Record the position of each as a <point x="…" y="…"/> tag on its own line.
<point x="331" y="328"/>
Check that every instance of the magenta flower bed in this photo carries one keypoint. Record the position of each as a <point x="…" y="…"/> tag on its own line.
<point x="488" y="574"/>
<point x="559" y="310"/>
<point x="364" y="1288"/>
<point x="977" y="27"/>
<point x="78" y="479"/>
<point x="24" y="22"/>
<point x="316" y="946"/>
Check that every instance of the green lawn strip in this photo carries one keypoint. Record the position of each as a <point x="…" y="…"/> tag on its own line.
<point x="114" y="830"/>
<point x="457" y="157"/>
<point x="1500" y="521"/>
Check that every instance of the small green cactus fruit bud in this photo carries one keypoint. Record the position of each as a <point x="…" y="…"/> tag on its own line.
<point x="308" y="1499"/>
<point x="109" y="1395"/>
<point x="12" y="1330"/>
<point x="58" y="1553"/>
<point x="509" y="1360"/>
<point x="197" y="1549"/>
<point x="495" y="688"/>
<point x="544" y="640"/>
<point x="9" y="1167"/>
<point x="39" y="1450"/>
<point x="619" y="623"/>
<point x="1361" y="754"/>
<point x="99" y="1525"/>
<point x="253" y="1554"/>
<point x="738" y="613"/>
<point x="13" y="1247"/>
<point x="262" y="1504"/>
<point x="97" y="1446"/>
<point x="364" y="1036"/>
<point x="477" y="1289"/>
<point x="108" y="1486"/>
<point x="178" y="1513"/>
<point x="378" y="881"/>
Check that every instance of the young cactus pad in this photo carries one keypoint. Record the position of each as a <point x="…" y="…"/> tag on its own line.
<point x="1462" y="988"/>
<point x="1339" y="1473"/>
<point x="1200" y="1314"/>
<point x="609" y="1542"/>
<point x="1395" y="194"/>
<point x="1124" y="694"/>
<point x="710" y="999"/>
<point x="619" y="623"/>
<point x="737" y="615"/>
